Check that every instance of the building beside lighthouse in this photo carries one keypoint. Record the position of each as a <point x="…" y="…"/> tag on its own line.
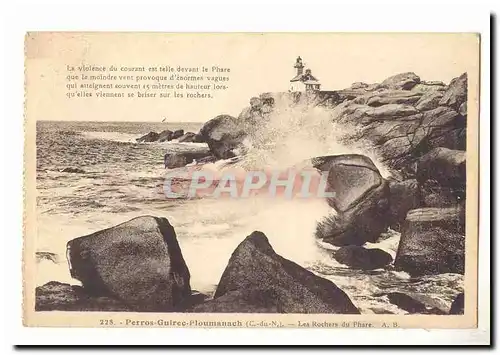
<point x="303" y="81"/>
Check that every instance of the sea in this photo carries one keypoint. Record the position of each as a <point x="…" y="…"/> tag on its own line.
<point x="121" y="179"/>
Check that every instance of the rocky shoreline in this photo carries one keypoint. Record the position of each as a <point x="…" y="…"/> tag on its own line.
<point x="418" y="128"/>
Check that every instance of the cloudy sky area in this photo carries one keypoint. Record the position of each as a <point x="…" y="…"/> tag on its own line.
<point x="258" y="63"/>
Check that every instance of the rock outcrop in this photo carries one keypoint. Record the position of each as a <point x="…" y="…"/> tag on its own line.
<point x="457" y="306"/>
<point x="177" y="160"/>
<point x="187" y="137"/>
<point x="177" y="134"/>
<point x="456" y="93"/>
<point x="403" y="197"/>
<point x="260" y="108"/>
<point x="432" y="194"/>
<point x="446" y="166"/>
<point x="403" y="81"/>
<point x="361" y="200"/>
<point x="257" y="279"/>
<point x="432" y="242"/>
<point x="429" y="101"/>
<point x="223" y="134"/>
<point x="165" y="136"/>
<point x="405" y="118"/>
<point x="57" y="296"/>
<point x="415" y="304"/>
<point x="138" y="262"/>
<point x="362" y="258"/>
<point x="149" y="137"/>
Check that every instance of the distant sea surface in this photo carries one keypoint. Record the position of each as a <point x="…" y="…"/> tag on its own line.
<point x="122" y="179"/>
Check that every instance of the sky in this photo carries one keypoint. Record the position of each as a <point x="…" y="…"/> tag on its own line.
<point x="258" y="63"/>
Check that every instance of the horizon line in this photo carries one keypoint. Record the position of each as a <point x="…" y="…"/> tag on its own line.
<point x="120" y="121"/>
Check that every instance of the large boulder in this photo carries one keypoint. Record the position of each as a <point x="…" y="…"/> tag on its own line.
<point x="138" y="262"/>
<point x="403" y="197"/>
<point x="177" y="160"/>
<point x="257" y="279"/>
<point x="429" y="101"/>
<point x="243" y="301"/>
<point x="403" y="81"/>
<point x="223" y="134"/>
<point x="188" y="137"/>
<point x="361" y="200"/>
<point x="458" y="304"/>
<point x="165" y="136"/>
<point x="443" y="127"/>
<point x="198" y="138"/>
<point x="358" y="257"/>
<point x="149" y="137"/>
<point x="432" y="242"/>
<point x="414" y="303"/>
<point x="446" y="166"/>
<point x="57" y="296"/>
<point x="456" y="93"/>
<point x="433" y="194"/>
<point x="177" y="134"/>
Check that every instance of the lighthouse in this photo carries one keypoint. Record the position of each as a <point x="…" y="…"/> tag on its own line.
<point x="303" y="81"/>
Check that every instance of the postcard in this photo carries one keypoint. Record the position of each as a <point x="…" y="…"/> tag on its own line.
<point x="251" y="180"/>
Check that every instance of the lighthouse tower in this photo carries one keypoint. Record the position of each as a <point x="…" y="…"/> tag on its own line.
<point x="303" y="81"/>
<point x="299" y="66"/>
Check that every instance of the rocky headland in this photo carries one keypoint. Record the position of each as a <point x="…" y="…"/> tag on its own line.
<point x="416" y="128"/>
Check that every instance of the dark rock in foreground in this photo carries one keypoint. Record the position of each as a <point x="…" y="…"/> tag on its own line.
<point x="379" y="310"/>
<point x="457" y="307"/>
<point x="412" y="304"/>
<point x="358" y="257"/>
<point x="432" y="242"/>
<point x="57" y="296"/>
<point x="138" y="262"/>
<point x="257" y="279"/>
<point x="242" y="301"/>
<point x="361" y="200"/>
<point x="223" y="134"/>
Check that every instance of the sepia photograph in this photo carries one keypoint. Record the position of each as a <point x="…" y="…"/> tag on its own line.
<point x="269" y="180"/>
